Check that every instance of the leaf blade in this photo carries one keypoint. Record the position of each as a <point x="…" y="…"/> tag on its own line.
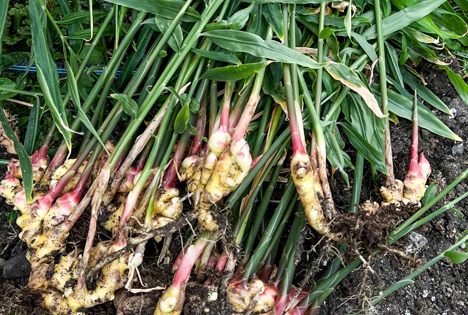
<point x="25" y="161"/>
<point x="253" y="44"/>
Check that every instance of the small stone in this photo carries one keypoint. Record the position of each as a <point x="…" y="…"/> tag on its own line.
<point x="454" y="113"/>
<point x="17" y="267"/>
<point x="207" y="310"/>
<point x="407" y="312"/>
<point x="425" y="293"/>
<point x="433" y="299"/>
<point x="458" y="149"/>
<point x="417" y="241"/>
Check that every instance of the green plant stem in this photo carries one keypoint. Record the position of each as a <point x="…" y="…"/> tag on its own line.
<point x="261" y="128"/>
<point x="4" y="10"/>
<point x="149" y="212"/>
<point x="275" y="221"/>
<point x="4" y="162"/>
<point x="292" y="45"/>
<point x="290" y="248"/>
<point x="357" y="184"/>
<point x="318" y="81"/>
<point x="260" y="215"/>
<point x="167" y="74"/>
<point x="238" y="193"/>
<point x="239" y="229"/>
<point x="390" y="179"/>
<point x="316" y="124"/>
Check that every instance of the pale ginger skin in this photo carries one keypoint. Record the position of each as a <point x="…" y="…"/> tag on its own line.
<point x="309" y="193"/>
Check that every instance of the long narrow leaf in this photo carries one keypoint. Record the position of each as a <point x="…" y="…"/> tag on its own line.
<point x="371" y="154"/>
<point x="253" y="44"/>
<point x="218" y="55"/>
<point x="164" y="8"/>
<point x="423" y="91"/>
<point x="75" y="96"/>
<point x="403" y="18"/>
<point x="349" y="78"/>
<point x="234" y="73"/>
<point x="32" y="130"/>
<point x="459" y="84"/>
<point x="403" y="107"/>
<point x="3" y="21"/>
<point x="47" y="71"/>
<point x="25" y="161"/>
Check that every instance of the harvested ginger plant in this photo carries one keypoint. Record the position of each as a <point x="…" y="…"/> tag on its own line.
<point x="191" y="146"/>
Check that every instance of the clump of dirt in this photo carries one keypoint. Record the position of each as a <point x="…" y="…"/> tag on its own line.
<point x="370" y="230"/>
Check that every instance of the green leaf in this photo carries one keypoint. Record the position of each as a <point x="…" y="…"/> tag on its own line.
<point x="218" y="56"/>
<point x="182" y="119"/>
<point x="253" y="44"/>
<point x="81" y="17"/>
<point x="235" y="22"/>
<point x="347" y="21"/>
<point x="392" y="64"/>
<point x="47" y="71"/>
<point x="274" y="17"/>
<point x="129" y="105"/>
<point x="349" y="78"/>
<point x="403" y="18"/>
<point x="165" y="8"/>
<point x="32" y="130"/>
<point x="404" y="50"/>
<point x="234" y="73"/>
<point x="11" y="216"/>
<point x="325" y="33"/>
<point x="194" y="132"/>
<point x="86" y="33"/>
<point x="430" y="194"/>
<point x="135" y="57"/>
<point x="12" y="59"/>
<point x="75" y="96"/>
<point x="463" y="4"/>
<point x="368" y="48"/>
<point x="403" y="107"/>
<point x="456" y="257"/>
<point x="459" y="84"/>
<point x="25" y="161"/>
<point x="288" y="1"/>
<point x="335" y="154"/>
<point x="3" y="21"/>
<point x="425" y="23"/>
<point x="423" y="91"/>
<point x="376" y="158"/>
<point x="177" y="37"/>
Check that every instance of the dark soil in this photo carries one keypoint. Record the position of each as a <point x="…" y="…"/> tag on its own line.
<point x="440" y="290"/>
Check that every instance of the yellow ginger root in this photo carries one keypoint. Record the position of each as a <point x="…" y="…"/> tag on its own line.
<point x="392" y="194"/>
<point x="60" y="297"/>
<point x="168" y="204"/>
<point x="230" y="171"/>
<point x="306" y="185"/>
<point x="241" y="293"/>
<point x="414" y="186"/>
<point x="62" y="170"/>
